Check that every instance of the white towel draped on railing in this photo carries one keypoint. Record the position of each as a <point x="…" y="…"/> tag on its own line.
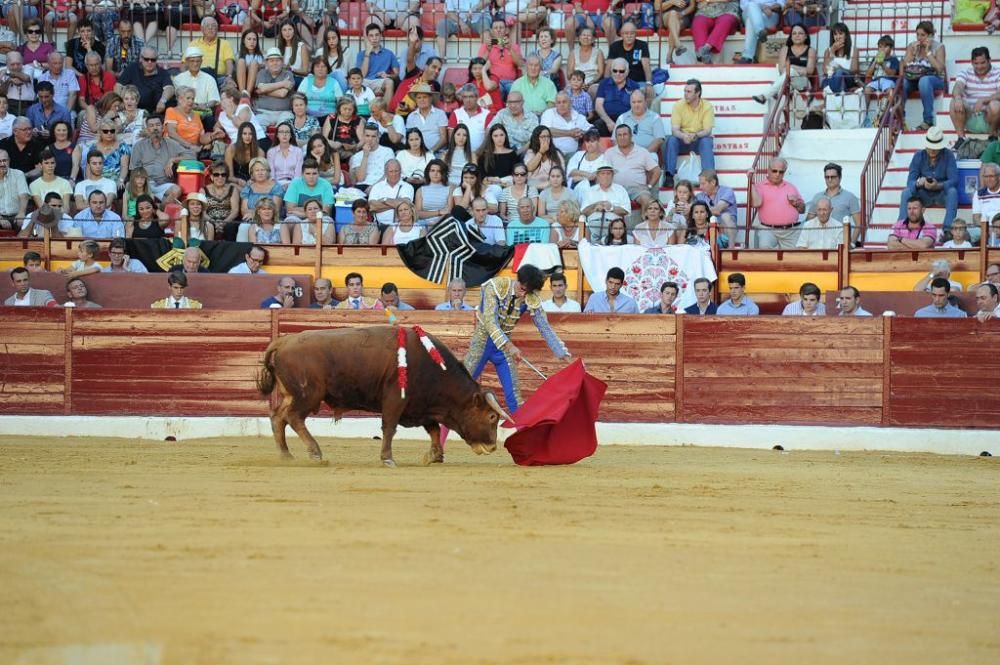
<point x="647" y="269"/>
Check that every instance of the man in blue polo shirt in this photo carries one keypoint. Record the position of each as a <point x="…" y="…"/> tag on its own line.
<point x="378" y="65"/>
<point x="738" y="304"/>
<point x="613" y="96"/>
<point x="940" y="308"/>
<point x="96" y="221"/>
<point x="612" y="300"/>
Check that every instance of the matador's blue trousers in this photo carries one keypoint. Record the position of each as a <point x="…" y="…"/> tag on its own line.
<point x="506" y="371"/>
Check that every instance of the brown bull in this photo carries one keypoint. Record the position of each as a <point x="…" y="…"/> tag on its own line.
<point x="356" y="369"/>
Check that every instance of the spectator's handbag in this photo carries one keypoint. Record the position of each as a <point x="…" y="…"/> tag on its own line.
<point x="916" y="71"/>
<point x="971" y="148"/>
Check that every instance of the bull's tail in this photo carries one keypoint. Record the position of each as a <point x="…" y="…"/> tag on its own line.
<point x="265" y="376"/>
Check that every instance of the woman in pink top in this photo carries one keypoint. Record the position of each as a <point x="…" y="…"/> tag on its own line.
<point x="34" y="51"/>
<point x="285" y="158"/>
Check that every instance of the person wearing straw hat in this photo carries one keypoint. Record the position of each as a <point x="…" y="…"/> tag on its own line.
<point x="429" y="119"/>
<point x="933" y="177"/>
<point x="604" y="202"/>
<point x="206" y="90"/>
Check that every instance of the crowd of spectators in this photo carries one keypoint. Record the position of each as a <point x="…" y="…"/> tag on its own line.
<point x="91" y="139"/>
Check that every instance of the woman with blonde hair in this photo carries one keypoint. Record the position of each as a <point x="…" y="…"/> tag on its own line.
<point x="566" y="229"/>
<point x="133" y="118"/>
<point x="109" y="107"/>
<point x="265" y="229"/>
<point x="115" y="151"/>
<point x="260" y="186"/>
<point x="406" y="227"/>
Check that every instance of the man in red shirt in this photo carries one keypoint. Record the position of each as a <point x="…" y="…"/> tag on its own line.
<point x="95" y="82"/>
<point x="503" y="54"/>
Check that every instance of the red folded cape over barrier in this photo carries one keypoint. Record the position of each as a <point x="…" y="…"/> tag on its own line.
<point x="556" y="424"/>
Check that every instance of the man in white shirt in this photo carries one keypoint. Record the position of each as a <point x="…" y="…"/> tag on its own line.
<point x="490" y="226"/>
<point x="254" y="263"/>
<point x="94" y="181"/>
<point x="975" y="98"/>
<point x="6" y="119"/>
<point x="470" y="114"/>
<point x="566" y="124"/>
<point x="636" y="169"/>
<point x="604" y="202"/>
<point x="559" y="303"/>
<point x="988" y="301"/>
<point x="368" y="163"/>
<point x="66" y="85"/>
<point x="986" y="200"/>
<point x="44" y="217"/>
<point x="206" y="90"/>
<point x="456" y="298"/>
<point x="821" y="232"/>
<point x="387" y="194"/>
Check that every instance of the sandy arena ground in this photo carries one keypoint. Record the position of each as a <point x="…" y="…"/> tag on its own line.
<point x="213" y="551"/>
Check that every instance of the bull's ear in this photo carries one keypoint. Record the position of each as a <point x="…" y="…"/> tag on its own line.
<point x="478" y="400"/>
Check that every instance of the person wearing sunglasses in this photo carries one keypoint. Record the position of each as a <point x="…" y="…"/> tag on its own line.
<point x="34" y="50"/>
<point x="614" y="95"/>
<point x="779" y="205"/>
<point x="154" y="84"/>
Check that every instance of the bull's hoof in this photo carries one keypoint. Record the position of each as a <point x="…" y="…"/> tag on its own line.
<point x="286" y="456"/>
<point x="435" y="457"/>
<point x="388" y="463"/>
<point x="316" y="457"/>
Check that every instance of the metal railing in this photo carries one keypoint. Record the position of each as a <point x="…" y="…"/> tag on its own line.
<point x="868" y="22"/>
<point x="776" y="129"/>
<point x="877" y="162"/>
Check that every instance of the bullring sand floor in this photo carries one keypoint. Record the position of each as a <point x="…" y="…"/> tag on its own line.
<point x="212" y="551"/>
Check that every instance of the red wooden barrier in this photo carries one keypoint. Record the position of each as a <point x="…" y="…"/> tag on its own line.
<point x="943" y="373"/>
<point x="782" y="370"/>
<point x="837" y="371"/>
<point x="32" y="360"/>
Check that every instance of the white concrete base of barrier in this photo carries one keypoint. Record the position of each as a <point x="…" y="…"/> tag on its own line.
<point x="942" y="441"/>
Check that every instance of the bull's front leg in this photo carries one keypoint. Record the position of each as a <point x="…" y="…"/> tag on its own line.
<point x="436" y="454"/>
<point x="388" y="431"/>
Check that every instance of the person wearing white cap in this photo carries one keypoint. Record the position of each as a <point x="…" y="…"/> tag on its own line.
<point x="604" y="202"/>
<point x="206" y="90"/>
<point x="933" y="177"/>
<point x="275" y="85"/>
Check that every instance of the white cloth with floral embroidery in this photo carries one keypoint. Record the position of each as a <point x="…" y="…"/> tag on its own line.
<point x="647" y="269"/>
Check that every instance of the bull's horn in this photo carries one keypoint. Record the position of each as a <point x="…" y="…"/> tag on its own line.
<point x="495" y="405"/>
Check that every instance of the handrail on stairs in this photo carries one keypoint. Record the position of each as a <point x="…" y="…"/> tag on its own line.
<point x="879" y="157"/>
